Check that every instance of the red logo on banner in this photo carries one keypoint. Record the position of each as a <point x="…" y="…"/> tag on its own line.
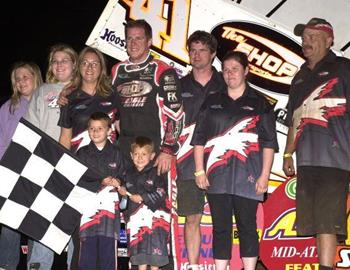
<point x="280" y="247"/>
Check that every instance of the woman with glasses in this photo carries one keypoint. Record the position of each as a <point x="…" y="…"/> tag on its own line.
<point x="44" y="113"/>
<point x="91" y="93"/>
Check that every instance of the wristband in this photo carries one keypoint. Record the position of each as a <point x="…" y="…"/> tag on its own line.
<point x="287" y="155"/>
<point x="199" y="173"/>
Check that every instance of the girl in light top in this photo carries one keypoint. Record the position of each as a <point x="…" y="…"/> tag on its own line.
<point x="44" y="113"/>
<point x="25" y="78"/>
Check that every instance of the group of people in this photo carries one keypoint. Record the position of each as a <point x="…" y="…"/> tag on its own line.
<point x="218" y="131"/>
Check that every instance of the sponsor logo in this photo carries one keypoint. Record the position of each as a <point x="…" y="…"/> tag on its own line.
<point x="106" y="103"/>
<point x="134" y="89"/>
<point x="123" y="76"/>
<point x="323" y="73"/>
<point x="344" y="257"/>
<point x="175" y="106"/>
<point x="290" y="189"/>
<point x="247" y="108"/>
<point x="111" y="38"/>
<point x="186" y="95"/>
<point x="169" y="87"/>
<point x="80" y="107"/>
<point x="112" y="165"/>
<point x="149" y="182"/>
<point x="168" y="79"/>
<point x="172" y="96"/>
<point x="273" y="57"/>
<point x="216" y="106"/>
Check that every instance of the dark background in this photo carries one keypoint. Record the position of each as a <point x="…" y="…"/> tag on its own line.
<point x="30" y="28"/>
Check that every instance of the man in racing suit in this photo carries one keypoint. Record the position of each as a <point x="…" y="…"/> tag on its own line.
<point x="148" y="100"/>
<point x="148" y="97"/>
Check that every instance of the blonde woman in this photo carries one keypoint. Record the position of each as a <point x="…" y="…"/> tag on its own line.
<point x="25" y="78"/>
<point x="44" y="113"/>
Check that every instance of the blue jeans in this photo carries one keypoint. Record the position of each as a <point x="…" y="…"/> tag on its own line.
<point x="10" y="241"/>
<point x="42" y="256"/>
<point x="97" y="248"/>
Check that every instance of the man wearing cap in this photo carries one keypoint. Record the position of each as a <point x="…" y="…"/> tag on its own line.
<point x="319" y="124"/>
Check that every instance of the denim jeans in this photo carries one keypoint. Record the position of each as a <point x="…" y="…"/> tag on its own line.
<point x="10" y="241"/>
<point x="41" y="257"/>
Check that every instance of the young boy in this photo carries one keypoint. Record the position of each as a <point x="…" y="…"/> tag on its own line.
<point x="148" y="216"/>
<point x="100" y="225"/>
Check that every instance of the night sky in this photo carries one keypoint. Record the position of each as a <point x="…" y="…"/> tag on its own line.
<point x="29" y="28"/>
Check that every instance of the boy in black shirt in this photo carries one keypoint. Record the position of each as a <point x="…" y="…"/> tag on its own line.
<point x="100" y="225"/>
<point x="148" y="210"/>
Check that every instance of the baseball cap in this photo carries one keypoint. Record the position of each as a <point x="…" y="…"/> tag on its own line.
<point x="314" y="23"/>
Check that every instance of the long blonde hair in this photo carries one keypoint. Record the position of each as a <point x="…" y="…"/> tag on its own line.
<point x="104" y="83"/>
<point x="61" y="47"/>
<point x="34" y="70"/>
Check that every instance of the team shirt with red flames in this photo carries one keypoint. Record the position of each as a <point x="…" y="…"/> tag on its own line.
<point x="234" y="134"/>
<point x="101" y="216"/>
<point x="77" y="112"/>
<point x="193" y="95"/>
<point x="148" y="223"/>
<point x="318" y="113"/>
<point x="149" y="104"/>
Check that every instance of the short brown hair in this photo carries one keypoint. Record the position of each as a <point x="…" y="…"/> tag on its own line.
<point x="100" y="116"/>
<point x="142" y="141"/>
<point x="204" y="38"/>
<point x="139" y="24"/>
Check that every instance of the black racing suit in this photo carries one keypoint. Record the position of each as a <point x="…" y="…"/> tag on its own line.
<point x="149" y="104"/>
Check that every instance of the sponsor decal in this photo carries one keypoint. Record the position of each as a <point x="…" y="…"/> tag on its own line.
<point x="169" y="79"/>
<point x="112" y="165"/>
<point x="291" y="188"/>
<point x="175" y="106"/>
<point x="323" y="73"/>
<point x="80" y="107"/>
<point x="273" y="57"/>
<point x="280" y="246"/>
<point x="248" y="108"/>
<point x="149" y="182"/>
<point x="343" y="257"/>
<point x="110" y="37"/>
<point x="52" y="98"/>
<point x="134" y="88"/>
<point x="186" y="95"/>
<point x="172" y="96"/>
<point x="216" y="106"/>
<point x="106" y="103"/>
<point x="169" y="87"/>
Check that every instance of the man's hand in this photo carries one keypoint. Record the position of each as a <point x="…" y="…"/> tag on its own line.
<point x="163" y="163"/>
<point x="288" y="166"/>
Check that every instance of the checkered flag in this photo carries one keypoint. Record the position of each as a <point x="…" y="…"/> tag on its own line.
<point x="43" y="187"/>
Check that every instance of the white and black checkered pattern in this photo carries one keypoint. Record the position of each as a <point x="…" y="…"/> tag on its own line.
<point x="43" y="188"/>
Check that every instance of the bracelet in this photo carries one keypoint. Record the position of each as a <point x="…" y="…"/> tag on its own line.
<point x="199" y="173"/>
<point x="287" y="155"/>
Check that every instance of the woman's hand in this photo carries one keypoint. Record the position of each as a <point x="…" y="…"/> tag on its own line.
<point x="202" y="181"/>
<point x="261" y="185"/>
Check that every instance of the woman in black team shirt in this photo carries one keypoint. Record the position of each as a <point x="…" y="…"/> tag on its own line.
<point x="234" y="144"/>
<point x="92" y="94"/>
